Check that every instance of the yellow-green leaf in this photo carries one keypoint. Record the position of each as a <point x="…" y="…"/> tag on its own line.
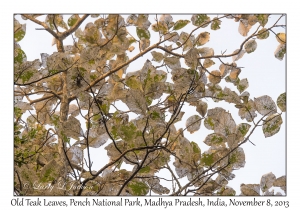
<point x="142" y="33"/>
<point x="215" y="24"/>
<point x="19" y="32"/>
<point x="138" y="188"/>
<point x="263" y="34"/>
<point x="281" y="102"/>
<point x="180" y="24"/>
<point x="73" y="19"/>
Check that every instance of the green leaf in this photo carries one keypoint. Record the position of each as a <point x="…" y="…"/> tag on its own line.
<point x="73" y="19"/>
<point x="133" y="82"/>
<point x="262" y="19"/>
<point x="200" y="19"/>
<point x="263" y="34"/>
<point x="272" y="125"/>
<point x="215" y="24"/>
<point x="20" y="56"/>
<point x="143" y="33"/>
<point x="19" y="32"/>
<point x="180" y="24"/>
<point x="138" y="188"/>
<point x="196" y="148"/>
<point x="281" y="102"/>
<point x="196" y="151"/>
<point x="50" y="171"/>
<point x="128" y="132"/>
<point x="207" y="159"/>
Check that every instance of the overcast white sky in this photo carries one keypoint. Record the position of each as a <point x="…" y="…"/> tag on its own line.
<point x="252" y="175"/>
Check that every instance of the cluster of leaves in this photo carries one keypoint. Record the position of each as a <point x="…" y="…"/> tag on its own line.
<point x="85" y="81"/>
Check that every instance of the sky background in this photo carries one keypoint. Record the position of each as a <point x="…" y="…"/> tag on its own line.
<point x="235" y="6"/>
<point x="265" y="74"/>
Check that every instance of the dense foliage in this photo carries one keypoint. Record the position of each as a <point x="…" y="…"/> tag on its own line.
<point x="81" y="99"/>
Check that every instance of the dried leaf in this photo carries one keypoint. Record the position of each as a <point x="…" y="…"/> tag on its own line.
<point x="280" y="37"/>
<point x="23" y="106"/>
<point x="225" y="124"/>
<point x="201" y="108"/>
<point x="237" y="158"/>
<point x="191" y="58"/>
<point x="263" y="34"/>
<point x="266" y="181"/>
<point x="265" y="105"/>
<point x="206" y="51"/>
<point x="243" y="85"/>
<point x="250" y="189"/>
<point x="157" y="56"/>
<point x="272" y="125"/>
<point x="234" y="74"/>
<point x="193" y="123"/>
<point x="280" y="182"/>
<point x="250" y="46"/>
<point x="156" y="187"/>
<point x="239" y="55"/>
<point x="72" y="128"/>
<point x="172" y="62"/>
<point x="75" y="154"/>
<point x="208" y="63"/>
<point x="202" y="38"/>
<point x="215" y="139"/>
<point x="244" y="27"/>
<point x="172" y="37"/>
<point x="200" y="20"/>
<point x="248" y="111"/>
<point x="224" y="69"/>
<point x="280" y="52"/>
<point x="215" y="77"/>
